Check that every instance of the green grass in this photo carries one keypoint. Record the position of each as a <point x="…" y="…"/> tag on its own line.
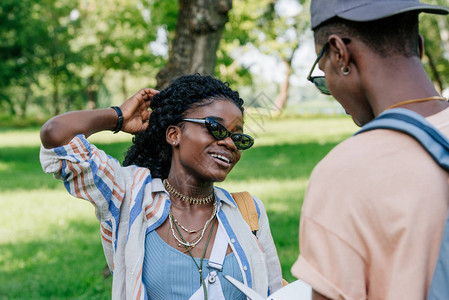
<point x="49" y="241"/>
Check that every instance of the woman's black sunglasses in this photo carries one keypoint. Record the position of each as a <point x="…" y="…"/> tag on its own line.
<point x="218" y="131"/>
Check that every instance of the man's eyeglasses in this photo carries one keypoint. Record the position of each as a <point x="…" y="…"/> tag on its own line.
<point x="218" y="131"/>
<point x="319" y="81"/>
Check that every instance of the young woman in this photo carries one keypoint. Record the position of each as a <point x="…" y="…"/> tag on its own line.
<point x="167" y="232"/>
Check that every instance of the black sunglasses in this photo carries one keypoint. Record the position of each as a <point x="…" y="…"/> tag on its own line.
<point x="319" y="81"/>
<point x="218" y="131"/>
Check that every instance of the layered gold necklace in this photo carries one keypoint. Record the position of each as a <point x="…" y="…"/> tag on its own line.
<point x="191" y="200"/>
<point x="189" y="245"/>
<point x="181" y="241"/>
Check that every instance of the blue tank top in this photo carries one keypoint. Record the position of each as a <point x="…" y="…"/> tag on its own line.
<point x="170" y="274"/>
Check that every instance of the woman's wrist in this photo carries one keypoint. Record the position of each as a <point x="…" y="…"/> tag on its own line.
<point x="120" y="120"/>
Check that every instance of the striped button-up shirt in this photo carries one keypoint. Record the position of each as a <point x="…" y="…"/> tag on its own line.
<point x="129" y="203"/>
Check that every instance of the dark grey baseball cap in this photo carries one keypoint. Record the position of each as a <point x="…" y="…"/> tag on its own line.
<point x="367" y="10"/>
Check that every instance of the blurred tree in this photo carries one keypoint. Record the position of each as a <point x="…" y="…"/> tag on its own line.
<point x="240" y="34"/>
<point x="284" y="33"/>
<point x="35" y="52"/>
<point x="54" y="51"/>
<point x="198" y="31"/>
<point x="263" y="27"/>
<point x="435" y="30"/>
<point x="64" y="54"/>
<point x="12" y="47"/>
<point x="56" y="54"/>
<point x="114" y="38"/>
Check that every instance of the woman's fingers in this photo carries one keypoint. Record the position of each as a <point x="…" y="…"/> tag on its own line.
<point x="146" y="115"/>
<point x="146" y="95"/>
<point x="135" y="110"/>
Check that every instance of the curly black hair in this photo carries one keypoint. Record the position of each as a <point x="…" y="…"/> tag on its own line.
<point x="150" y="148"/>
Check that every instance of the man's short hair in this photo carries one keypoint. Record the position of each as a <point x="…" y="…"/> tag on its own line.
<point x="392" y="36"/>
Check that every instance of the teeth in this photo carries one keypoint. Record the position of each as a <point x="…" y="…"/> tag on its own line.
<point x="221" y="157"/>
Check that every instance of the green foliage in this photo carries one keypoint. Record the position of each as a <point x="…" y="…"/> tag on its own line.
<point x="50" y="246"/>
<point x="435" y="30"/>
<point x="165" y="12"/>
<point x="261" y="27"/>
<point x="241" y="30"/>
<point x="66" y="54"/>
<point x="10" y="122"/>
<point x="42" y="44"/>
<point x="56" y="56"/>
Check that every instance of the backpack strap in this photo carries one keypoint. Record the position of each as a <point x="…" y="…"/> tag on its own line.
<point x="416" y="126"/>
<point x="437" y="145"/>
<point x="247" y="207"/>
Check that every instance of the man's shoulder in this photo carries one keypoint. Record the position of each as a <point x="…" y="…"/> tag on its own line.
<point x="368" y="145"/>
<point x="365" y="159"/>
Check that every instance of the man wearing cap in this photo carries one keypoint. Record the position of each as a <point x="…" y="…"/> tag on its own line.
<point x="375" y="207"/>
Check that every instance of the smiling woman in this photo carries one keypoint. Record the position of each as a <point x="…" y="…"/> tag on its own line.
<point x="167" y="232"/>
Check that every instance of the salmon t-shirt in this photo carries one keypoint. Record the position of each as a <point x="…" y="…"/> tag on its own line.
<point x="373" y="218"/>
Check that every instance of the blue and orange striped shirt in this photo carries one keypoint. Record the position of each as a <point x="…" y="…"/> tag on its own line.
<point x="129" y="202"/>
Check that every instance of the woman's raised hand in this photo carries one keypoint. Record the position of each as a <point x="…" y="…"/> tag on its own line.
<point x="135" y="111"/>
<point x="61" y="129"/>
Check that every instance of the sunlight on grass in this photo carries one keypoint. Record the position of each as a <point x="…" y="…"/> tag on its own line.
<point x="21" y="137"/>
<point x="50" y="247"/>
<point x="24" y="137"/>
<point x="266" y="130"/>
<point x="40" y="213"/>
<point x="280" y="131"/>
<point x="106" y="137"/>
<point x="270" y="191"/>
<point x="3" y="166"/>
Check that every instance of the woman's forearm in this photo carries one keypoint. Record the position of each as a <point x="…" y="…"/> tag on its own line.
<point x="61" y="129"/>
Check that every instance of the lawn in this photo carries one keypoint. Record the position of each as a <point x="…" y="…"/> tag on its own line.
<point x="49" y="242"/>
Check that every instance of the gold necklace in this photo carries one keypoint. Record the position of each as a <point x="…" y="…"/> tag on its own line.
<point x="417" y="100"/>
<point x="192" y="231"/>
<point x="200" y="267"/>
<point x="191" y="200"/>
<point x="195" y="241"/>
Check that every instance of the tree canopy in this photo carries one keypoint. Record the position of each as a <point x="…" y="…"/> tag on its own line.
<point x="68" y="54"/>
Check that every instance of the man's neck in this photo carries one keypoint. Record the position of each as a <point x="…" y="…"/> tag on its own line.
<point x="397" y="79"/>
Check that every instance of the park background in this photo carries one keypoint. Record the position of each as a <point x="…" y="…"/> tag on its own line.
<point x="60" y="55"/>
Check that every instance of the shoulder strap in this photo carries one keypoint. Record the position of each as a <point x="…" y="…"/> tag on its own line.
<point x="437" y="145"/>
<point x="416" y="126"/>
<point x="247" y="207"/>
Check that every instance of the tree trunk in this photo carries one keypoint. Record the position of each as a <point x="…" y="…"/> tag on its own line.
<point x="281" y="98"/>
<point x="26" y="101"/>
<point x="92" y="93"/>
<point x="55" y="95"/>
<point x="198" y="31"/>
<point x="12" y="110"/>
<point x="124" y="87"/>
